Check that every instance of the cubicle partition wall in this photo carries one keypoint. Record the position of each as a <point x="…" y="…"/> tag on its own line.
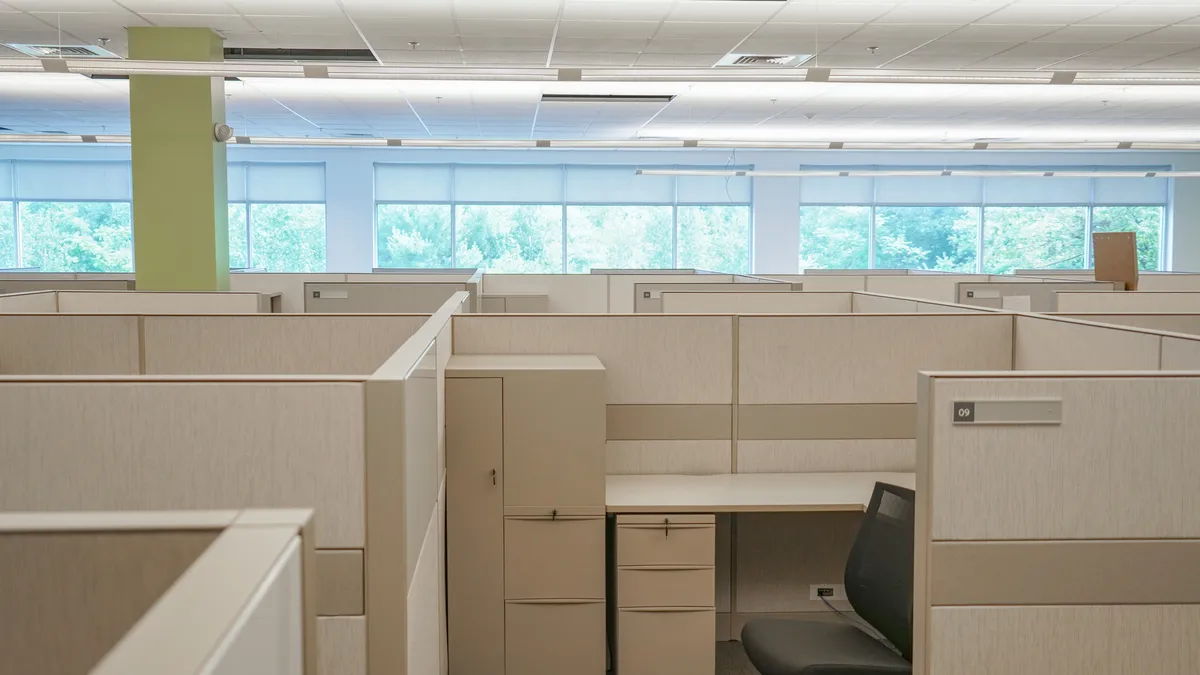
<point x="379" y="297"/>
<point x="565" y="293"/>
<point x="1022" y="296"/>
<point x="219" y="592"/>
<point x="32" y="302"/>
<point x="291" y="286"/>
<point x="647" y="296"/>
<point x="61" y="282"/>
<point x="737" y="302"/>
<point x="1169" y="322"/>
<point x="139" y="302"/>
<point x="1058" y="528"/>
<point x="364" y="451"/>
<point x="1130" y="301"/>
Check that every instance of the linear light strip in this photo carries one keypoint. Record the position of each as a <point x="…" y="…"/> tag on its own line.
<point x="631" y="144"/>
<point x="923" y="173"/>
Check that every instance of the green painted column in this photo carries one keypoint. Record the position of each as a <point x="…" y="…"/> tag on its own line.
<point x="180" y="210"/>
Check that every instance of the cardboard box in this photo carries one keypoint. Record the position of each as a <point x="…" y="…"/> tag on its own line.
<point x="1116" y="258"/>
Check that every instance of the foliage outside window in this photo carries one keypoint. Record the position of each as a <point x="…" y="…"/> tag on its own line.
<point x="1033" y="237"/>
<point x="1146" y="221"/>
<point x="287" y="237"/>
<point x="239" y="251"/>
<point x="8" y="236"/>
<point x="626" y="237"/>
<point x="413" y="235"/>
<point x="505" y="239"/>
<point x="834" y="237"/>
<point x="77" y="236"/>
<point x="926" y="237"/>
<point x="715" y="238"/>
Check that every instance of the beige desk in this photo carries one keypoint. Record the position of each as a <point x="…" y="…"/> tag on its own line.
<point x="746" y="492"/>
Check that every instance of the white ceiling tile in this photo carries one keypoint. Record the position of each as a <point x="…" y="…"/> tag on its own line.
<point x="15" y="21"/>
<point x="487" y="58"/>
<point x="90" y="25"/>
<point x="1154" y="50"/>
<point x="811" y="11"/>
<point x="1042" y="13"/>
<point x="442" y="25"/>
<point x="425" y="42"/>
<point x="504" y="44"/>
<point x="607" y="29"/>
<point x="1189" y="60"/>
<point x="1097" y="34"/>
<point x="64" y="5"/>
<point x="593" y="59"/>
<point x="1000" y="33"/>
<point x="1144" y="13"/>
<point x="1006" y="62"/>
<point x="954" y="50"/>
<point x="826" y="32"/>
<point x="863" y="60"/>
<point x="233" y="23"/>
<point x="611" y="10"/>
<point x="918" y="62"/>
<point x="884" y="51"/>
<point x="1050" y="49"/>
<point x="490" y="9"/>
<point x="252" y="40"/>
<point x="419" y="57"/>
<point x="1099" y="63"/>
<point x="669" y="46"/>
<point x="679" y="60"/>
<point x="757" y="45"/>
<point x="899" y="33"/>
<point x="391" y="9"/>
<point x="958" y="13"/>
<point x="302" y="41"/>
<point x="301" y="24"/>
<point x="699" y="30"/>
<point x="506" y="28"/>
<point x="1183" y="33"/>
<point x="326" y="8"/>
<point x="723" y="11"/>
<point x="179" y="6"/>
<point x="599" y="45"/>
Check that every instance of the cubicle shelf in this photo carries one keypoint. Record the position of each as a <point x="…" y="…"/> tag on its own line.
<point x="745" y="493"/>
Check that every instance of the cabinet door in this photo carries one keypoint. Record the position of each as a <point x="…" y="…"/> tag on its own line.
<point x="561" y="558"/>
<point x="554" y="430"/>
<point x="555" y="638"/>
<point x="475" y="526"/>
<point x="666" y="642"/>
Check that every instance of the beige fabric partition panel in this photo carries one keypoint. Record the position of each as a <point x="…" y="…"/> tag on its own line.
<point x="1131" y="301"/>
<point x="273" y="344"/>
<point x="865" y="303"/>
<point x="736" y="302"/>
<point x="939" y="287"/>
<point x="621" y="286"/>
<point x="1180" y="353"/>
<point x="1042" y="343"/>
<point x="52" y="282"/>
<point x="669" y="378"/>
<point x="141" y="302"/>
<point x="290" y="285"/>
<point x="1172" y="323"/>
<point x="567" y="293"/>
<point x="833" y="282"/>
<point x="1168" y="282"/>
<point x="648" y="295"/>
<point x="378" y="297"/>
<point x="1042" y="295"/>
<point x="40" y="302"/>
<point x="1068" y="546"/>
<point x="55" y="344"/>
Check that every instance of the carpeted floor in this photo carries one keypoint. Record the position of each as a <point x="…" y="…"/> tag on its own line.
<point x="731" y="660"/>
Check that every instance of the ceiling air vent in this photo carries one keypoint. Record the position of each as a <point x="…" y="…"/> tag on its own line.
<point x="323" y="55"/>
<point x="63" y="51"/>
<point x="763" y="60"/>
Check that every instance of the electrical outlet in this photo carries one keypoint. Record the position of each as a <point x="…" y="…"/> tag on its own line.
<point x="830" y="592"/>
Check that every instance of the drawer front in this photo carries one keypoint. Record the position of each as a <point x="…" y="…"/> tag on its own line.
<point x="555" y="638"/>
<point x="666" y="642"/>
<point x="666" y="587"/>
<point x="562" y="558"/>
<point x="665" y="543"/>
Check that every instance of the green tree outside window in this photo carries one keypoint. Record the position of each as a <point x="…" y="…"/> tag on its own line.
<point x="239" y="254"/>
<point x="715" y="238"/>
<point x="412" y="235"/>
<point x="1033" y="237"/>
<point x="77" y="236"/>
<point x="926" y="237"/>
<point x="834" y="237"/>
<point x="8" y="236"/>
<point x="287" y="237"/>
<point x="506" y="239"/>
<point x="1146" y="221"/>
<point x="625" y="237"/>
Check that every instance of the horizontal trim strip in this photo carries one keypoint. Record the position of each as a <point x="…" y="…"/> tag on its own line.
<point x="827" y="421"/>
<point x="1110" y="572"/>
<point x="340" y="583"/>
<point x="683" y="422"/>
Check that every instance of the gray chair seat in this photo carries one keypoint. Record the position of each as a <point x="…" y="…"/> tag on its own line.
<point x="791" y="647"/>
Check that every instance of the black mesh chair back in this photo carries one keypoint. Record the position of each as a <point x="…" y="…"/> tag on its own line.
<point x="879" y="573"/>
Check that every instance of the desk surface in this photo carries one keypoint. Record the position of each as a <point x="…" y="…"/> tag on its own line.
<point x="746" y="492"/>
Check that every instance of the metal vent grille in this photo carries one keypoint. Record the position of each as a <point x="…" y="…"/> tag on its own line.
<point x="735" y="60"/>
<point x="761" y="60"/>
<point x="63" y="51"/>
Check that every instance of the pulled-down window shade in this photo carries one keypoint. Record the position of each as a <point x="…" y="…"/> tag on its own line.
<point x="237" y="181"/>
<point x="1037" y="191"/>
<point x="715" y="189"/>
<point x="508" y="184"/>
<point x="1117" y="191"/>
<point x="918" y="190"/>
<point x="843" y="191"/>
<point x="617" y="185"/>
<point x="285" y="183"/>
<point x="413" y="182"/>
<point x="6" y="181"/>
<point x="38" y="181"/>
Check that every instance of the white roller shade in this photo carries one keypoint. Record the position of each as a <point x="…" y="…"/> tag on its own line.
<point x="508" y="184"/>
<point x="715" y="189"/>
<point x="6" y="183"/>
<point x="1037" y="191"/>
<point x="413" y="182"/>
<point x="287" y="183"/>
<point x="1131" y="190"/>
<point x="617" y="185"/>
<point x="926" y="190"/>
<point x="836" y="190"/>
<point x="74" y="181"/>
<point x="236" y="171"/>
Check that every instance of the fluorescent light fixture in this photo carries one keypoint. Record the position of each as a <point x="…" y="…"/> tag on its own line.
<point x="273" y="140"/>
<point x="463" y="143"/>
<point x="923" y="173"/>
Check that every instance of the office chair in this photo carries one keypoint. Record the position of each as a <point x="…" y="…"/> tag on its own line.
<point x="879" y="577"/>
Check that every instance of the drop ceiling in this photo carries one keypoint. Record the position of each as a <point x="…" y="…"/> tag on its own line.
<point x="961" y="35"/>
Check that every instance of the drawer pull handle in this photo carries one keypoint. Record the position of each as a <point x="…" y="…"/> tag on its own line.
<point x="666" y="527"/>
<point x="493" y="476"/>
<point x="554" y="515"/>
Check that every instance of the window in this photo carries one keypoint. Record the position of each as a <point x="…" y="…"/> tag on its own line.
<point x="834" y="237"/>
<point x="8" y="235"/>
<point x="619" y="237"/>
<point x="413" y="235"/>
<point x="277" y="216"/>
<point x="926" y="237"/>
<point x="1033" y="237"/>
<point x="509" y="239"/>
<point x="1146" y="221"/>
<point x="715" y="238"/>
<point x="77" y="236"/>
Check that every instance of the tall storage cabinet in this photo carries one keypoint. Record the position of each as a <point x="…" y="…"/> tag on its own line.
<point x="525" y="515"/>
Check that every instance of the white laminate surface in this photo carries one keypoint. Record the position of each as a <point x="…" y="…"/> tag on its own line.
<point x="744" y="492"/>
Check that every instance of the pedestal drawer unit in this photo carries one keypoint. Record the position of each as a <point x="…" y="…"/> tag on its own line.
<point x="666" y="600"/>
<point x="525" y="515"/>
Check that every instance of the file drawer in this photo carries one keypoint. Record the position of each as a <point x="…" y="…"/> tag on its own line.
<point x="672" y="539"/>
<point x="555" y="638"/>
<point x="666" y="642"/>
<point x="561" y="557"/>
<point x="666" y="587"/>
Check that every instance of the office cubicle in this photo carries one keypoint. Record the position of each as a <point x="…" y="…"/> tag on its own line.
<point x="648" y="295"/>
<point x="139" y="302"/>
<point x="1025" y="296"/>
<point x="808" y="302"/>
<point x="1057" y="529"/>
<point x="217" y="592"/>
<point x="377" y="297"/>
<point x="1157" y="321"/>
<point x="1129" y="301"/>
<point x="27" y="284"/>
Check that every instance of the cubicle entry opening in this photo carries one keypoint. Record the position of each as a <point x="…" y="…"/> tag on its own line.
<point x="647" y="297"/>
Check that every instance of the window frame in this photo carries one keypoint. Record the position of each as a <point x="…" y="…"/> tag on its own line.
<point x="19" y="239"/>
<point x="247" y="202"/>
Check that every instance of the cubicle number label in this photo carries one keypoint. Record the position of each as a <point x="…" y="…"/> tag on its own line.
<point x="964" y="412"/>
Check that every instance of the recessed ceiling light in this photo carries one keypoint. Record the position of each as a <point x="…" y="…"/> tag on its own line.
<point x="742" y="60"/>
